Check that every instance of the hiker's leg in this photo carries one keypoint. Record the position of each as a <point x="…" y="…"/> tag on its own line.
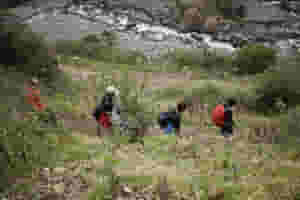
<point x="169" y="129"/>
<point x="99" y="133"/>
<point x="228" y="131"/>
<point x="223" y="131"/>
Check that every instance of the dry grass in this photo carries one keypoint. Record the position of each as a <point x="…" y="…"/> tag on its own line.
<point x="202" y="150"/>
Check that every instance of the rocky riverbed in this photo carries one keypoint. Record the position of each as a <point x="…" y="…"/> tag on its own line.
<point x="139" y="26"/>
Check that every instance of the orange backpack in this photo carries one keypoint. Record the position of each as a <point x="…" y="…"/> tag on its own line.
<point x="218" y="116"/>
<point x="33" y="98"/>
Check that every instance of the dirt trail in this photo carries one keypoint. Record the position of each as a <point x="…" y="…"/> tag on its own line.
<point x="154" y="80"/>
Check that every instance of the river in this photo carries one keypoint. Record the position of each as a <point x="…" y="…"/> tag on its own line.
<point x="58" y="21"/>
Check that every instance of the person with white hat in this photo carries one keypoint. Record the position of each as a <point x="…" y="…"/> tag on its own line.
<point x="109" y="108"/>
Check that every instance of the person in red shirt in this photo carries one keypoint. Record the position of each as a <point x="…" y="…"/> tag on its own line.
<point x="44" y="112"/>
<point x="222" y="117"/>
<point x="33" y="95"/>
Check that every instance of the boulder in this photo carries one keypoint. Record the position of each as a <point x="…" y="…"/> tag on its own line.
<point x="212" y="22"/>
<point x="192" y="16"/>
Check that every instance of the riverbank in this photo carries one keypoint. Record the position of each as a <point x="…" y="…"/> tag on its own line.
<point x="137" y="29"/>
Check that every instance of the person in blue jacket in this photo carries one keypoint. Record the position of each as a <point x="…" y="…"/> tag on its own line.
<point x="170" y="121"/>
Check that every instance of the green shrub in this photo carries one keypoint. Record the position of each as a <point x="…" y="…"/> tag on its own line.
<point x="27" y="51"/>
<point x="282" y="84"/>
<point x="25" y="145"/>
<point x="130" y="57"/>
<point x="290" y="129"/>
<point x="254" y="59"/>
<point x="209" y="94"/>
<point x="214" y="61"/>
<point x="105" y="39"/>
<point x="170" y="93"/>
<point x="74" y="48"/>
<point x="91" y="46"/>
<point x="183" y="57"/>
<point x="91" y="38"/>
<point x="199" y="58"/>
<point x="102" y="47"/>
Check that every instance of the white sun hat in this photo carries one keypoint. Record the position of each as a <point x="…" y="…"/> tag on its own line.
<point x="112" y="89"/>
<point x="34" y="81"/>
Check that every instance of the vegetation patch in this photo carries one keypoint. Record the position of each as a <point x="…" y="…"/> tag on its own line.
<point x="279" y="89"/>
<point x="103" y="47"/>
<point x="28" y="140"/>
<point x="27" y="52"/>
<point x="197" y="59"/>
<point x="254" y="59"/>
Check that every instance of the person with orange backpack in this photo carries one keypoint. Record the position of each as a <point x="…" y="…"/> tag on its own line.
<point x="33" y="95"/>
<point x="222" y="116"/>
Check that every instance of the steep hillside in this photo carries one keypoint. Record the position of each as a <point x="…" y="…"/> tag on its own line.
<point x="44" y="160"/>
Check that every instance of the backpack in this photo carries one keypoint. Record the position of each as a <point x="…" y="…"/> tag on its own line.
<point x="218" y="115"/>
<point x="105" y="120"/>
<point x="163" y="119"/>
<point x="106" y="105"/>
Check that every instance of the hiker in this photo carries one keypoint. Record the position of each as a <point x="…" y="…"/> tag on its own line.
<point x="108" y="110"/>
<point x="44" y="113"/>
<point x="171" y="121"/>
<point x="33" y="95"/>
<point x="222" y="117"/>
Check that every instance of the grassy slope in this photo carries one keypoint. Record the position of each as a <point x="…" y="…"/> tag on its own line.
<point x="201" y="158"/>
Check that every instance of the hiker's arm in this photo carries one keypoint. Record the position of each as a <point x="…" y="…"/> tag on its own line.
<point x="177" y="124"/>
<point x="118" y="109"/>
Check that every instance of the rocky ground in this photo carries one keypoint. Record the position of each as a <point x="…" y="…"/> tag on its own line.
<point x="201" y="156"/>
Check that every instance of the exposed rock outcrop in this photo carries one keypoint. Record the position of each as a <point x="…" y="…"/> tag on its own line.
<point x="212" y="22"/>
<point x="192" y="16"/>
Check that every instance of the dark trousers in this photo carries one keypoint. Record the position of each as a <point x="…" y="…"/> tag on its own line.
<point x="227" y="130"/>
